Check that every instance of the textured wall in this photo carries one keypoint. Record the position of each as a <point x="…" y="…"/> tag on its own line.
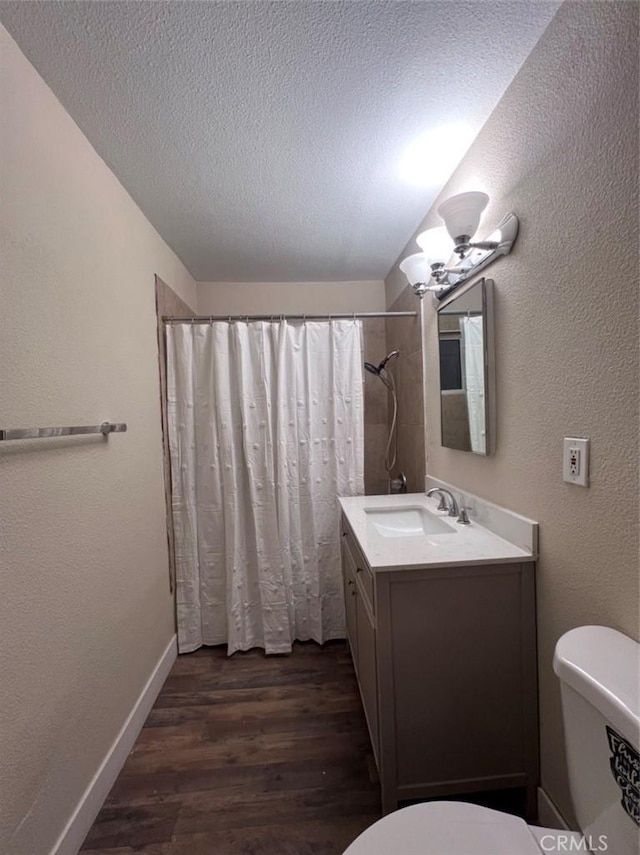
<point x="86" y="610"/>
<point x="561" y="150"/>
<point x="221" y="298"/>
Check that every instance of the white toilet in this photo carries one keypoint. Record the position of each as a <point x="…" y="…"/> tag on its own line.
<point x="599" y="672"/>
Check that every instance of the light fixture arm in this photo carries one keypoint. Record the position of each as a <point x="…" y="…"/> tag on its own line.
<point x="484" y="244"/>
<point x="464" y="243"/>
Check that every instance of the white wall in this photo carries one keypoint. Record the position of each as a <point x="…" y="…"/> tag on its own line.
<point x="561" y="150"/>
<point x="222" y="298"/>
<point x="86" y="609"/>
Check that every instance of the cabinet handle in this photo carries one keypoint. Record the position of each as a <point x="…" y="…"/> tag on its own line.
<point x="359" y="570"/>
<point x="354" y="593"/>
<point x="350" y="582"/>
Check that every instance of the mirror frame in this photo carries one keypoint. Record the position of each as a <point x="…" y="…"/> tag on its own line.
<point x="486" y="288"/>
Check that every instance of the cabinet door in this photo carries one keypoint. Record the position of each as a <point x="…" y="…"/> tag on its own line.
<point x="461" y="681"/>
<point x="367" y="674"/>
<point x="349" y="578"/>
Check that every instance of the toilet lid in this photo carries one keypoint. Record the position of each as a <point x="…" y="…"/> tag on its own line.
<point x="446" y="828"/>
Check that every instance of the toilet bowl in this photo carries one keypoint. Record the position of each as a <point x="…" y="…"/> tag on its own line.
<point x="456" y="828"/>
<point x="599" y="673"/>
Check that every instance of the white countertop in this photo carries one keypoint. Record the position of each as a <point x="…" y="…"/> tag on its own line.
<point x="466" y="544"/>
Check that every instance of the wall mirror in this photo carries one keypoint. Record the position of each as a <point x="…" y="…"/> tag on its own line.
<point x="465" y="339"/>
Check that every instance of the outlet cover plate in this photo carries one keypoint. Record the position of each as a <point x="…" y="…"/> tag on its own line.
<point x="575" y="461"/>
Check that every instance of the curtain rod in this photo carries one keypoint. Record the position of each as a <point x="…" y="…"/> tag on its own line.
<point x="207" y="319"/>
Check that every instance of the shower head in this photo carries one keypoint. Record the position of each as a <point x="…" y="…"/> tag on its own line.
<point x="376" y="369"/>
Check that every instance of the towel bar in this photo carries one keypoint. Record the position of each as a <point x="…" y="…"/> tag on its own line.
<point x="37" y="433"/>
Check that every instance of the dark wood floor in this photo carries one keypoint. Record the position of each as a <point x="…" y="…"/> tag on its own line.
<point x="248" y="755"/>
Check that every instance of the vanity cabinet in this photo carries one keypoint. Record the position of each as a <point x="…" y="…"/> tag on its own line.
<point x="361" y="632"/>
<point x="445" y="659"/>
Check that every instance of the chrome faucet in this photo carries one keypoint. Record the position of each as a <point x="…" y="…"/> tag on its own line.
<point x="452" y="509"/>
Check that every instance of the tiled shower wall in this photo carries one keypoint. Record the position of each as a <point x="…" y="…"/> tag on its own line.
<point x="405" y="335"/>
<point x="375" y="408"/>
<point x="167" y="303"/>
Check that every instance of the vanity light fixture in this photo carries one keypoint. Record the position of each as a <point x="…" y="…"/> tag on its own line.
<point x="418" y="271"/>
<point x="429" y="270"/>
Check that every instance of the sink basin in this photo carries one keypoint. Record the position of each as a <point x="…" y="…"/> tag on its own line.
<point x="413" y="521"/>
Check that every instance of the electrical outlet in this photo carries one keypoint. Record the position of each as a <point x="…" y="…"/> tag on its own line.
<point x="575" y="464"/>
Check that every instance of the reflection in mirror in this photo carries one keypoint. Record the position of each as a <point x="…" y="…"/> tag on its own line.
<point x="464" y="332"/>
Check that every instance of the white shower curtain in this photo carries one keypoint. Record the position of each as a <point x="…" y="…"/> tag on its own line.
<point x="266" y="431"/>
<point x="472" y="333"/>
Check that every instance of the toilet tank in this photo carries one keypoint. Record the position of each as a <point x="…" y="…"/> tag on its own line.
<point x="599" y="672"/>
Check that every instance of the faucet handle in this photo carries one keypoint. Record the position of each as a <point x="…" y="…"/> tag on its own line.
<point x="442" y="504"/>
<point x="463" y="517"/>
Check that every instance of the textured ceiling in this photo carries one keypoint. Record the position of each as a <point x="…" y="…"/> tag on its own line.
<point x="262" y="139"/>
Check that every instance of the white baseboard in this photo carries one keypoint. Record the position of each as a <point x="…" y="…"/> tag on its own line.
<point x="548" y="814"/>
<point x="93" y="797"/>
